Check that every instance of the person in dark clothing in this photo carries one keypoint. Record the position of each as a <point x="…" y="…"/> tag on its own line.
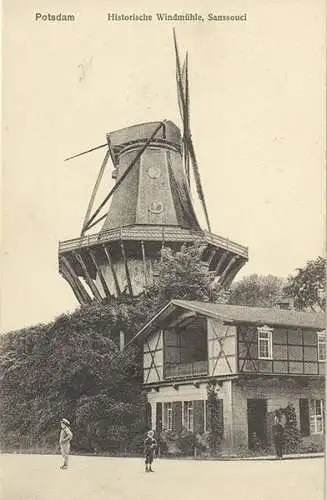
<point x="277" y="433"/>
<point x="150" y="445"/>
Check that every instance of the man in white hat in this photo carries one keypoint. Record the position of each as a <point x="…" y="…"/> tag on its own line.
<point x="64" y="441"/>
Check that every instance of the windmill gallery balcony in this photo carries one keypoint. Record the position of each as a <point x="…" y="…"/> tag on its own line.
<point x="111" y="260"/>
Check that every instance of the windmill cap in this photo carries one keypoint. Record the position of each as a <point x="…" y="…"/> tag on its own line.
<point x="142" y="131"/>
<point x="65" y="421"/>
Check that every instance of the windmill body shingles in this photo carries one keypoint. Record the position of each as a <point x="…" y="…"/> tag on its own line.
<point x="122" y="211"/>
<point x="155" y="190"/>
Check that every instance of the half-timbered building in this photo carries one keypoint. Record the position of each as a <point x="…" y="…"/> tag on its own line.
<point x="260" y="359"/>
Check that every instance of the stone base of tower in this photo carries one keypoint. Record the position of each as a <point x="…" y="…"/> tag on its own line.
<point x="121" y="261"/>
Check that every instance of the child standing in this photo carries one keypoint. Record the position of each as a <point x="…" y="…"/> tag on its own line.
<point x="150" y="445"/>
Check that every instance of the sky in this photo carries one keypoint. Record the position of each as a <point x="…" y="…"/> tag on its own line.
<point x="257" y="121"/>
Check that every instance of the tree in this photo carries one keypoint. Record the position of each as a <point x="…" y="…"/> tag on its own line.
<point x="257" y="290"/>
<point x="70" y="367"/>
<point x="307" y="286"/>
<point x="182" y="275"/>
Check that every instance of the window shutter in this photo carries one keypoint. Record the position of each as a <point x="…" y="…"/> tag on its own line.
<point x="198" y="416"/>
<point x="304" y="417"/>
<point x="159" y="417"/>
<point x="177" y="416"/>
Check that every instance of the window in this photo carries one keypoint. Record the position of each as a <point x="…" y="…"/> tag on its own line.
<point x="169" y="417"/>
<point x="188" y="415"/>
<point x="316" y="416"/>
<point x="321" y="346"/>
<point x="265" y="342"/>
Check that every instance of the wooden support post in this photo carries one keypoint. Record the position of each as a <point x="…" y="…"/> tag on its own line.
<point x="72" y="284"/>
<point x="162" y="241"/>
<point x="107" y="252"/>
<point x="211" y="256"/>
<point x="88" y="278"/>
<point x="144" y="266"/>
<point x="227" y="268"/>
<point x="87" y="299"/>
<point x="151" y="269"/>
<point x="129" y="284"/>
<point x="221" y="261"/>
<point x="102" y="279"/>
<point x="233" y="273"/>
<point x="95" y="190"/>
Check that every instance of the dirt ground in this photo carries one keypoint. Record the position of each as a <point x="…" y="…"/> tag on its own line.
<point x="37" y="477"/>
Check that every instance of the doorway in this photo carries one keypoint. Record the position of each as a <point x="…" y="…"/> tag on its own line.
<point x="257" y="428"/>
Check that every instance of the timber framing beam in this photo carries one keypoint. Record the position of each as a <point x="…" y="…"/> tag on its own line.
<point x="221" y="261"/>
<point x="144" y="268"/>
<point x="95" y="190"/>
<point x="227" y="268"/>
<point x="65" y="274"/>
<point x="211" y="257"/>
<point x="239" y="264"/>
<point x="88" y="278"/>
<point x="100" y="274"/>
<point x="128" y="278"/>
<point x="86" y="298"/>
<point x="113" y="271"/>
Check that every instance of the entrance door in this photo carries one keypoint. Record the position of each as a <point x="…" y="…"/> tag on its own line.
<point x="257" y="432"/>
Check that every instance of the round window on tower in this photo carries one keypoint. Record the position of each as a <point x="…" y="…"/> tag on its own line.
<point x="156" y="207"/>
<point x="154" y="172"/>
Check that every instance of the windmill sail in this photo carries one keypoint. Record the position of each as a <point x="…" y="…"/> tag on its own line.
<point x="183" y="95"/>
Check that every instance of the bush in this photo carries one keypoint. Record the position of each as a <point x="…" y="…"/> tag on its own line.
<point x="292" y="436"/>
<point x="215" y="419"/>
<point x="182" y="443"/>
<point x="311" y="447"/>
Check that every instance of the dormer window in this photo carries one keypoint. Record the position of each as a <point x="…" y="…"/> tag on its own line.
<point x="321" y="339"/>
<point x="265" y="342"/>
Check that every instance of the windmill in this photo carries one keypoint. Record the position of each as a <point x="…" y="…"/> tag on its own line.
<point x="148" y="207"/>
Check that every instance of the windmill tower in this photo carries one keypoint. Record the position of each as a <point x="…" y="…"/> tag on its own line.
<point x="148" y="207"/>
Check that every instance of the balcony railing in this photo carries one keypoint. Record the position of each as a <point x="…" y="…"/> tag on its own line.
<point x="186" y="369"/>
<point x="153" y="233"/>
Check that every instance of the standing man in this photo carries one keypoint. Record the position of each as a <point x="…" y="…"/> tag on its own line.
<point x="277" y="432"/>
<point x="64" y="441"/>
<point x="149" y="446"/>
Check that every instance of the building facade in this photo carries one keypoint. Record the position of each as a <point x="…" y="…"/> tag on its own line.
<point x="260" y="360"/>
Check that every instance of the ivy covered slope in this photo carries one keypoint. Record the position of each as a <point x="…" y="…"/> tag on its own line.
<point x="73" y="367"/>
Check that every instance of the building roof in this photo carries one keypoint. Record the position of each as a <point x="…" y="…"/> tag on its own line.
<point x="238" y="314"/>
